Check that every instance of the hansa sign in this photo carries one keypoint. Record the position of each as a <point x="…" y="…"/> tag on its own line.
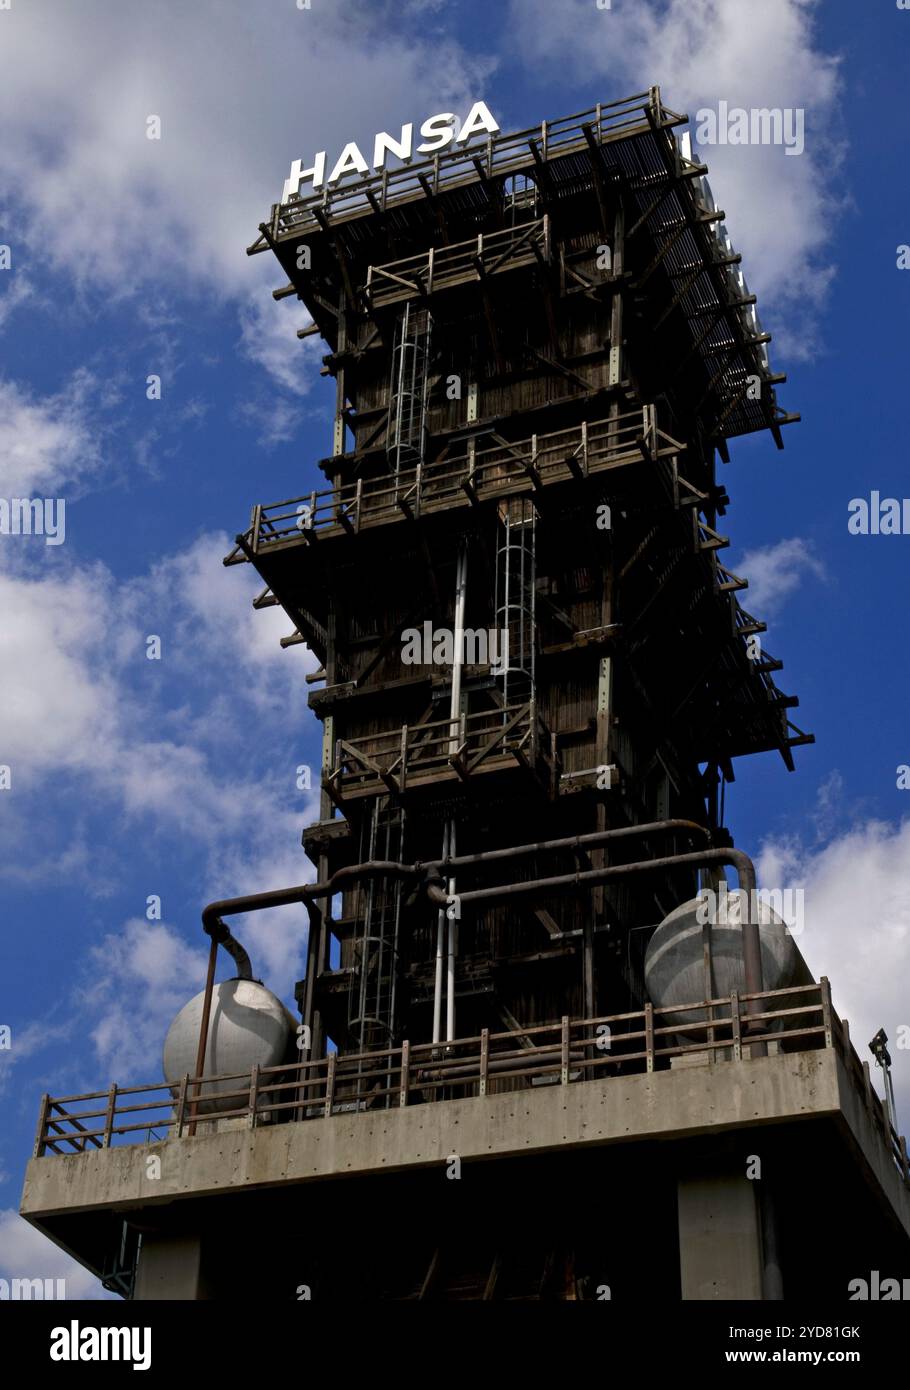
<point x="437" y="131"/>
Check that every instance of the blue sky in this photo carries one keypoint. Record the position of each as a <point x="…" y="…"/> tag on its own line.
<point x="177" y="777"/>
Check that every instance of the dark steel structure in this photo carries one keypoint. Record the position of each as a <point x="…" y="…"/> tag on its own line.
<point x="540" y="344"/>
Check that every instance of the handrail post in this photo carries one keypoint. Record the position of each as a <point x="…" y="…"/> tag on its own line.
<point x="330" y="1084"/>
<point x="825" y="987"/>
<point x="905" y="1165"/>
<point x="254" y="1094"/>
<point x="181" y="1105"/>
<point x="41" y="1134"/>
<point x="405" y="1079"/>
<point x="109" y="1115"/>
<point x="737" y="1026"/>
<point x="649" y="1036"/>
<point x="484" y="1059"/>
<point x="564" y="1050"/>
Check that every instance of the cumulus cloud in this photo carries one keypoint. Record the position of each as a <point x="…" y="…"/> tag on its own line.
<point x="781" y="209"/>
<point x="776" y="571"/>
<point x="19" y="290"/>
<point x="857" y="924"/>
<point x="48" y="441"/>
<point x="164" y="743"/>
<point x="240" y="91"/>
<point x="25" y="1042"/>
<point x="269" y="337"/>
<point x="139" y="978"/>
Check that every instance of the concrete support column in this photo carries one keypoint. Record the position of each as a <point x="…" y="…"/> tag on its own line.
<point x="720" y="1249"/>
<point x="170" y="1267"/>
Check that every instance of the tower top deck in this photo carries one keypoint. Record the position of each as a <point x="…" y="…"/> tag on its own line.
<point x="575" y="170"/>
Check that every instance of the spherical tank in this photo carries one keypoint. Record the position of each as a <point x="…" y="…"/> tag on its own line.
<point x="248" y="1025"/>
<point x="675" y="961"/>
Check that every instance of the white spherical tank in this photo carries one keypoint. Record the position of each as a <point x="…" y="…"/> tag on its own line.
<point x="675" y="961"/>
<point x="248" y="1025"/>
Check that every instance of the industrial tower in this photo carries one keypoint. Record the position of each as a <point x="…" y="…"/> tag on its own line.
<point x="536" y="675"/>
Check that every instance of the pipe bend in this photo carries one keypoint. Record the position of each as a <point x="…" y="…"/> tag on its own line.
<point x="222" y="935"/>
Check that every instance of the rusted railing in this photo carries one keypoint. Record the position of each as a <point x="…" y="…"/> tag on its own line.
<point x="571" y="1051"/>
<point x="476" y="473"/>
<point x="504" y="154"/>
<point x="444" y="267"/>
<point x="513" y="735"/>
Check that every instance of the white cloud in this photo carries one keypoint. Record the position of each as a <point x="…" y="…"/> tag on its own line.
<point x="139" y="978"/>
<point x="24" y="1043"/>
<point x="47" y="441"/>
<point x="19" y="289"/>
<point x="269" y="337"/>
<point x="781" y="209"/>
<point x="775" y="571"/>
<point x="167" y="743"/>
<point x="857" y="926"/>
<point x="26" y="1254"/>
<point x="240" y="92"/>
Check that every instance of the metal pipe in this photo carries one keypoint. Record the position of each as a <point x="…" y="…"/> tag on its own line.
<point x="221" y="936"/>
<point x="589" y="841"/>
<point x="752" y="966"/>
<point x="236" y="952"/>
<point x="204" y="1028"/>
<point x="306" y="893"/>
<point x="461" y="591"/>
<point x="309" y="893"/>
<point x="440" y="950"/>
<point x="452" y="922"/>
<point x="444" y="924"/>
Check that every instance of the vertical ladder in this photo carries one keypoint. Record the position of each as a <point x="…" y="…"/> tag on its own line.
<point x="516" y="619"/>
<point x="372" y="994"/>
<point x="408" y="388"/>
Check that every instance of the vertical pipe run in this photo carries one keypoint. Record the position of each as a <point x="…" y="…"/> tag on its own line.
<point x="450" y="967"/>
<point x="440" y="950"/>
<point x="461" y="593"/>
<point x="204" y="1029"/>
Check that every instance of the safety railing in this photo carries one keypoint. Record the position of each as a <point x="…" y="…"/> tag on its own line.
<point x="395" y="760"/>
<point x="445" y="267"/>
<point x="499" y="155"/>
<point x="572" y="1051"/>
<point x="477" y="472"/>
